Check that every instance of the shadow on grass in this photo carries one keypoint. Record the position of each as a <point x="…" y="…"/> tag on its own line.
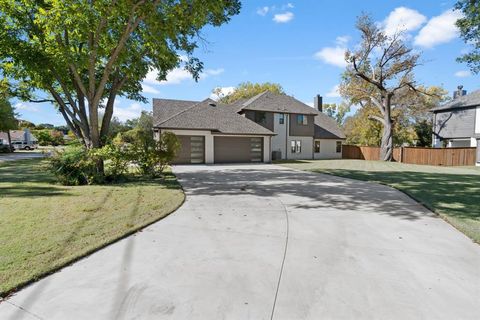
<point x="32" y="178"/>
<point x="457" y="195"/>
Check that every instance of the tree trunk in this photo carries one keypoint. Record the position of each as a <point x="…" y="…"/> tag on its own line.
<point x="386" y="148"/>
<point x="9" y="140"/>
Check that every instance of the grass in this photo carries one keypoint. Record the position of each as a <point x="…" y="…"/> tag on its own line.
<point x="44" y="226"/>
<point x="451" y="192"/>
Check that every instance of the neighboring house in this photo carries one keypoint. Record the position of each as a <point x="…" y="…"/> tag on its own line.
<point x="24" y="137"/>
<point x="457" y="122"/>
<point x="250" y="130"/>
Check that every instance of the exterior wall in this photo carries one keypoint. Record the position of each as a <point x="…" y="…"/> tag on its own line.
<point x="462" y="143"/>
<point x="455" y="124"/>
<point x="478" y="152"/>
<point x="307" y="148"/>
<point x="279" y="141"/>
<point x="328" y="149"/>
<point x="300" y="129"/>
<point x="269" y="119"/>
<point x="267" y="149"/>
<point x="477" y="120"/>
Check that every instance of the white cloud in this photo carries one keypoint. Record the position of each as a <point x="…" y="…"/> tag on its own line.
<point x="334" y="56"/>
<point x="176" y="76"/>
<point x="403" y="19"/>
<point x="334" y="92"/>
<point x="149" y="89"/>
<point x="283" y="17"/>
<point x="288" y="6"/>
<point x="310" y="104"/>
<point x="221" y="92"/>
<point x="463" y="74"/>
<point x="263" y="11"/>
<point x="439" y="29"/>
<point x="25" y="107"/>
<point x="212" y="72"/>
<point x="126" y="113"/>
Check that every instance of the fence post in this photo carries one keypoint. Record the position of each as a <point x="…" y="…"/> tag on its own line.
<point x="401" y="154"/>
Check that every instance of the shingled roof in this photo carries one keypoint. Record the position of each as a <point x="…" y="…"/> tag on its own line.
<point x="469" y="100"/>
<point x="166" y="108"/>
<point x="273" y="102"/>
<point x="206" y="115"/>
<point x="327" y="128"/>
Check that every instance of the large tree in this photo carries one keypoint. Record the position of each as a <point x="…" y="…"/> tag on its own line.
<point x="82" y="55"/>
<point x="7" y="118"/>
<point x="411" y="119"/>
<point x="377" y="72"/>
<point x="469" y="26"/>
<point x="247" y="90"/>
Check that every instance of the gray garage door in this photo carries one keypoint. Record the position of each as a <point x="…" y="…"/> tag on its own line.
<point x="192" y="150"/>
<point x="238" y="149"/>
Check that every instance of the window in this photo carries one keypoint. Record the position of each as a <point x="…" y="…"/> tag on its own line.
<point x="339" y="146"/>
<point x="260" y="117"/>
<point x="301" y="119"/>
<point x="317" y="146"/>
<point x="296" y="146"/>
<point x="281" y="118"/>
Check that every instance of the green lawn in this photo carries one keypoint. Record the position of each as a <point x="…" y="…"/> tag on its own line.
<point x="452" y="192"/>
<point x="44" y="226"/>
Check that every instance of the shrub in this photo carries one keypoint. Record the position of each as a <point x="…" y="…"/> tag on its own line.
<point x="116" y="157"/>
<point x="5" y="148"/>
<point x="75" y="166"/>
<point x="150" y="155"/>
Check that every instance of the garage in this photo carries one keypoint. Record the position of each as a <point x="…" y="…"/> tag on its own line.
<point x="238" y="149"/>
<point x="192" y="150"/>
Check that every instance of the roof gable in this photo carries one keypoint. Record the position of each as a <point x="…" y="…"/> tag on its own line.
<point x="470" y="100"/>
<point x="273" y="102"/>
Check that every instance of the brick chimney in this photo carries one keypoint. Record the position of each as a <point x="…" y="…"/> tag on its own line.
<point x="318" y="102"/>
<point x="459" y="92"/>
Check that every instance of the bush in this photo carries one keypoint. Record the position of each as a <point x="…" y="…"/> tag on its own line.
<point x="78" y="166"/>
<point x="116" y="157"/>
<point x="75" y="166"/>
<point x="5" y="148"/>
<point x="151" y="156"/>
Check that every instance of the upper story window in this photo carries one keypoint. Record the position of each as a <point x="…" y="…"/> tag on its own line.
<point x="260" y="117"/>
<point x="302" y="119"/>
<point x="281" y="118"/>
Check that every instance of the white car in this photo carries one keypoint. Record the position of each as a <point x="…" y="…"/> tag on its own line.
<point x="21" y="145"/>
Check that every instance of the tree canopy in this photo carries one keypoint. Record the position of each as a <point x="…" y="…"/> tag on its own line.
<point x="81" y="55"/>
<point x="379" y="70"/>
<point x="469" y="27"/>
<point x="7" y="115"/>
<point x="247" y="90"/>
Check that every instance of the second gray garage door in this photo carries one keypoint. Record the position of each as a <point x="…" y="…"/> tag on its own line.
<point x="238" y="149"/>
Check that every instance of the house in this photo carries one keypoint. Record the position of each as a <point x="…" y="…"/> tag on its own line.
<point x="18" y="136"/>
<point x="457" y="122"/>
<point x="265" y="127"/>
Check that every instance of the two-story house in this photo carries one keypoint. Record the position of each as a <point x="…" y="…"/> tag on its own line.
<point x="265" y="127"/>
<point x="457" y="122"/>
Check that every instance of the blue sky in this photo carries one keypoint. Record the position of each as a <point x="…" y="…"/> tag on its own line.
<point x="300" y="45"/>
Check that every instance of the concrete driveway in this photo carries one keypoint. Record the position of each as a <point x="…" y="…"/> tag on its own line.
<point x="263" y="242"/>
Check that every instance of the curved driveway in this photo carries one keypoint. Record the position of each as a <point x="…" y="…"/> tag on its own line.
<point x="263" y="242"/>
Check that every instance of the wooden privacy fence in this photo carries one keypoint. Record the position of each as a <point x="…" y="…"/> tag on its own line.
<point x="414" y="155"/>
